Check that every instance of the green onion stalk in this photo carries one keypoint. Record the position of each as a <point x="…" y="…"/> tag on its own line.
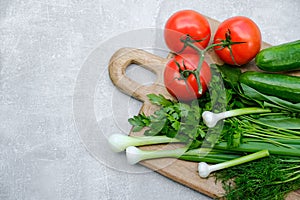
<point x="218" y="154"/>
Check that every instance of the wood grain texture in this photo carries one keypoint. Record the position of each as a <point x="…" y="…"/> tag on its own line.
<point x="183" y="172"/>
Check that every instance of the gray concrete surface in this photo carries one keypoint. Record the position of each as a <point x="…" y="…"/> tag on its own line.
<point x="45" y="47"/>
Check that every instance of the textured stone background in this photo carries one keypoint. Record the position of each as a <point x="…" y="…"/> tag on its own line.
<point x="43" y="45"/>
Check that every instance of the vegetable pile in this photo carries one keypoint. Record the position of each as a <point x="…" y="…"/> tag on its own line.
<point x="242" y="128"/>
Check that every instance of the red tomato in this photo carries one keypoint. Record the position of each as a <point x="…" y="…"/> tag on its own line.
<point x="186" y="90"/>
<point x="238" y="29"/>
<point x="183" y="23"/>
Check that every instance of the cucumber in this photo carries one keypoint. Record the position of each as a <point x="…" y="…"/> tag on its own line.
<point x="284" y="57"/>
<point x="279" y="85"/>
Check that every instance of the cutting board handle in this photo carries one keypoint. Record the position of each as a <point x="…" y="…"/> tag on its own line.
<point x="123" y="58"/>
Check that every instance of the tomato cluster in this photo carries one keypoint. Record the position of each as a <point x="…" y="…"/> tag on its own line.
<point x="185" y="86"/>
<point x="187" y="33"/>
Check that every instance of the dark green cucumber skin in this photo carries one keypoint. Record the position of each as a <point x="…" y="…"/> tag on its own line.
<point x="284" y="57"/>
<point x="280" y="85"/>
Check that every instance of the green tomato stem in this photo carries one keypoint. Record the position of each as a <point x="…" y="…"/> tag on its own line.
<point x="201" y="60"/>
<point x="201" y="53"/>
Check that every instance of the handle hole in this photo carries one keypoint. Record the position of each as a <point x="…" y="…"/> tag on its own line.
<point x="140" y="74"/>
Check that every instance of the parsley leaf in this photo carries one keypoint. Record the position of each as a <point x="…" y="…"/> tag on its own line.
<point x="159" y="100"/>
<point x="139" y="122"/>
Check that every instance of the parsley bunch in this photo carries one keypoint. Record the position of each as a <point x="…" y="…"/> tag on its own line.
<point x="182" y="120"/>
<point x="173" y="119"/>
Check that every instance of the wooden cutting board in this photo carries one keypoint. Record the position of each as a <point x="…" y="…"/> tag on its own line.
<point x="183" y="172"/>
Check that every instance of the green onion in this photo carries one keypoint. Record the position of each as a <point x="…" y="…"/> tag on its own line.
<point x="211" y="119"/>
<point x="204" y="169"/>
<point x="135" y="155"/>
<point x="119" y="142"/>
<point x="252" y="146"/>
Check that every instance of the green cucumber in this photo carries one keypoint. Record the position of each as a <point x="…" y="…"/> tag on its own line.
<point x="284" y="57"/>
<point x="279" y="85"/>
